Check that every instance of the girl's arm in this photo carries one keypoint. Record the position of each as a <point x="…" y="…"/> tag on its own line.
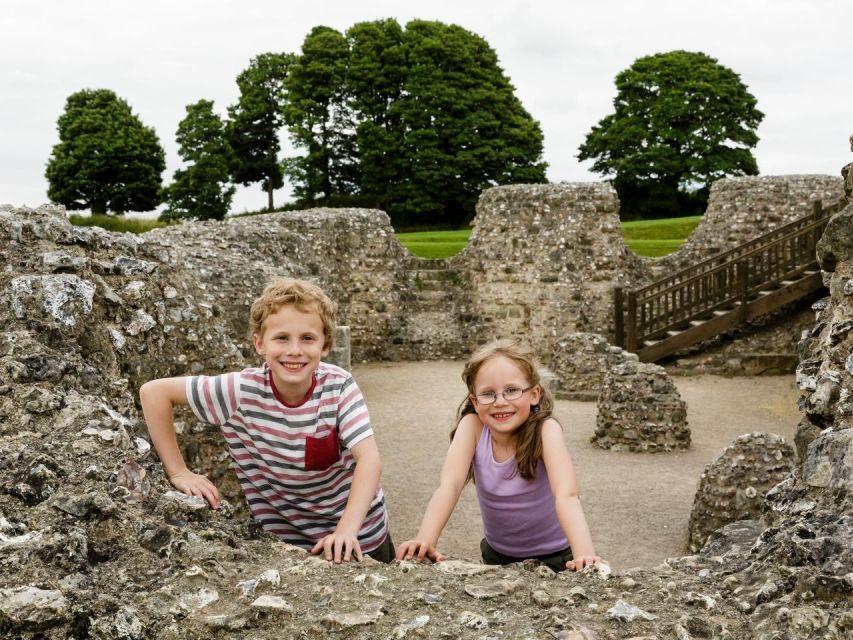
<point x="454" y="475"/>
<point x="158" y="398"/>
<point x="341" y="545"/>
<point x="564" y="486"/>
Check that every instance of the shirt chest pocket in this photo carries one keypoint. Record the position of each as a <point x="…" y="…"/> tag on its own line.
<point x="321" y="451"/>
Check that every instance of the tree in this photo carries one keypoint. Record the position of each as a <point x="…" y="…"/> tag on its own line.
<point x="681" y="120"/>
<point x="376" y="73"/>
<point x="255" y="122"/>
<point x="106" y="159"/>
<point x="417" y="121"/>
<point x="200" y="191"/>
<point x="319" y="118"/>
<point x="466" y="129"/>
<point x="438" y="121"/>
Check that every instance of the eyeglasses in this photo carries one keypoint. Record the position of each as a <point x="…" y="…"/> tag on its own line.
<point x="510" y="393"/>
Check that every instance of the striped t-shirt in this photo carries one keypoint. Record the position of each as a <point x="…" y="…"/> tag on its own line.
<point x="267" y="440"/>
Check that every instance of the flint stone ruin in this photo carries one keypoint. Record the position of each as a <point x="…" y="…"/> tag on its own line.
<point x="733" y="486"/>
<point x="580" y="361"/>
<point x="94" y="543"/>
<point x="640" y="409"/>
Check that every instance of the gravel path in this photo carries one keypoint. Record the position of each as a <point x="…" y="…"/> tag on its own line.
<point x="637" y="505"/>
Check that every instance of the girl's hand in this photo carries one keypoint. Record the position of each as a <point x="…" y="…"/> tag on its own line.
<point x="195" y="484"/>
<point x="583" y="561"/>
<point x="420" y="549"/>
<point x="339" y="546"/>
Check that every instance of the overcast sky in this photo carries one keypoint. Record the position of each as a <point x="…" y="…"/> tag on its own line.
<point x="795" y="56"/>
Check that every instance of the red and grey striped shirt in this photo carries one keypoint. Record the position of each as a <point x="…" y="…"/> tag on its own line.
<point x="294" y="463"/>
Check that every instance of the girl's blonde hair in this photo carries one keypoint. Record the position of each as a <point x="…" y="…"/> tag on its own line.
<point x="528" y="437"/>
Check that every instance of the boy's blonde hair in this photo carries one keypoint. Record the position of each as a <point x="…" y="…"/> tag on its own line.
<point x="528" y="437"/>
<point x="304" y="295"/>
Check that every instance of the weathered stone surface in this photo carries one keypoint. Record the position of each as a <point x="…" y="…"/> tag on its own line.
<point x="835" y="245"/>
<point x="91" y="545"/>
<point x="733" y="487"/>
<point x="743" y="208"/>
<point x="740" y="209"/>
<point x="541" y="262"/>
<point x="580" y="361"/>
<point x="639" y="409"/>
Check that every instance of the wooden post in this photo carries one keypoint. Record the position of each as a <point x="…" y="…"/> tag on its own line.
<point x="742" y="277"/>
<point x="631" y="324"/>
<point x="618" y="318"/>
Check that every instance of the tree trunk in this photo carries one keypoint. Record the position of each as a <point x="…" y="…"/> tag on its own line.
<point x="99" y="208"/>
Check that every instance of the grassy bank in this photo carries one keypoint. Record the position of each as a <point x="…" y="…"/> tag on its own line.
<point x="116" y="223"/>
<point x="645" y="237"/>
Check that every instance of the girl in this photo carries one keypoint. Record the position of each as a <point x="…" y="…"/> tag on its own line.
<point x="508" y="443"/>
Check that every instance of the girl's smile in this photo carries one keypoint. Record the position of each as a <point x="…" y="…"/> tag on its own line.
<point x="497" y="377"/>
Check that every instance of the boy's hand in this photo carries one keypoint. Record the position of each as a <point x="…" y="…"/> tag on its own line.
<point x="195" y="484"/>
<point x="338" y="546"/>
<point x="583" y="561"/>
<point x="420" y="548"/>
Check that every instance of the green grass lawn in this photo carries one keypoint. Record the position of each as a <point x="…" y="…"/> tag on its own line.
<point x="663" y="229"/>
<point x="651" y="238"/>
<point x="435" y="244"/>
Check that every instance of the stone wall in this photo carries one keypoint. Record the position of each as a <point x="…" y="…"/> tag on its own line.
<point x="93" y="542"/>
<point x="740" y="209"/>
<point x="733" y="486"/>
<point x="542" y="261"/>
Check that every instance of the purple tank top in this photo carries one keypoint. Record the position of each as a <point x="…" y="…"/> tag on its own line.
<point x="519" y="518"/>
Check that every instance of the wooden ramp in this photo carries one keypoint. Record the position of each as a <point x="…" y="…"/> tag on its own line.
<point x="724" y="292"/>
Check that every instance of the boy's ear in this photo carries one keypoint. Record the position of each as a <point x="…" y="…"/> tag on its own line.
<point x="258" y="343"/>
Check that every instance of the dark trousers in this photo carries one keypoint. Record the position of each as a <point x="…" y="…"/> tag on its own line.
<point x="556" y="561"/>
<point x="384" y="552"/>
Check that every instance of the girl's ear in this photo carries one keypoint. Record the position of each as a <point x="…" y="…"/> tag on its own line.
<point x="258" y="343"/>
<point x="536" y="394"/>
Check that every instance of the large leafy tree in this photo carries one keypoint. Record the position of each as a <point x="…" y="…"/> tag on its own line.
<point x="201" y="191"/>
<point x="417" y="121"/>
<point x="106" y="159"/>
<point x="465" y="128"/>
<point x="256" y="120"/>
<point x="375" y="77"/>
<point x="320" y="119"/>
<point x="681" y="120"/>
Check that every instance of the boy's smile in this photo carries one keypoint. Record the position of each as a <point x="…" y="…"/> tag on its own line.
<point x="292" y="342"/>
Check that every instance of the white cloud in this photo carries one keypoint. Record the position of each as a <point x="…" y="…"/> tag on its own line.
<point x="562" y="58"/>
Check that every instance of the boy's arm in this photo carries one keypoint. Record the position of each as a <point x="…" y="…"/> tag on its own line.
<point x="158" y="398"/>
<point x="564" y="486"/>
<point x="341" y="545"/>
<point x="454" y="475"/>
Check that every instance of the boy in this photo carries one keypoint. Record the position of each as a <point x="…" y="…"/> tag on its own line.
<point x="297" y="430"/>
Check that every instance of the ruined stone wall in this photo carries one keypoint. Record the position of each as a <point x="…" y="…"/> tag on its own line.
<point x="351" y="253"/>
<point x="740" y="209"/>
<point x="542" y="261"/>
<point x="94" y="544"/>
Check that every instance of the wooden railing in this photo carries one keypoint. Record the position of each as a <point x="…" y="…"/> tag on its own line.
<point x="725" y="280"/>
